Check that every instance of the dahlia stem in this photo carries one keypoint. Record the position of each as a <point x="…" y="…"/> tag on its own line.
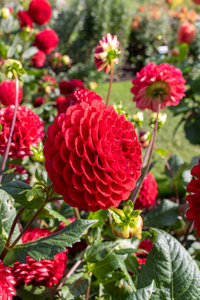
<point x="71" y="271"/>
<point x="110" y="85"/>
<point x="87" y="292"/>
<point x="52" y="199"/>
<point x="189" y="230"/>
<point x="138" y="188"/>
<point x="77" y="213"/>
<point x="5" y="157"/>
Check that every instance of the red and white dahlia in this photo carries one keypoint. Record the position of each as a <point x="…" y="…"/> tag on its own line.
<point x="193" y="213"/>
<point x="24" y="19"/>
<point x="46" y="40"/>
<point x="8" y="92"/>
<point x="28" y="131"/>
<point x="148" y="193"/>
<point x="107" y="53"/>
<point x="93" y="156"/>
<point x="38" y="59"/>
<point x="46" y="272"/>
<point x="40" y="11"/>
<point x="186" y="33"/>
<point x="158" y="84"/>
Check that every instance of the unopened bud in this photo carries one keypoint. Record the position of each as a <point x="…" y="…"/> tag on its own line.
<point x="5" y="13"/>
<point x="161" y="120"/>
<point x="37" y="155"/>
<point x="175" y="52"/>
<point x="66" y="60"/>
<point x="144" y="137"/>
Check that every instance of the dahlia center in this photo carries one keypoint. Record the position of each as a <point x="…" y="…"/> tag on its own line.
<point x="158" y="89"/>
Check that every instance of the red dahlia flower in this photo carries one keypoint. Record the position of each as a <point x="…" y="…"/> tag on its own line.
<point x="107" y="52"/>
<point x="46" y="40"/>
<point x="7" y="282"/>
<point x="39" y="101"/>
<point x="68" y="87"/>
<point x="193" y="213"/>
<point x="20" y="173"/>
<point x="83" y="95"/>
<point x="186" y="33"/>
<point x="156" y="84"/>
<point x="24" y="19"/>
<point x="40" y="11"/>
<point x="146" y="245"/>
<point x="49" y="79"/>
<point x="93" y="156"/>
<point x="46" y="272"/>
<point x="8" y="92"/>
<point x="38" y="59"/>
<point x="148" y="193"/>
<point x="196" y="1"/>
<point x="28" y="131"/>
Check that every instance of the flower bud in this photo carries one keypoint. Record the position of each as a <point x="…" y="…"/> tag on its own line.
<point x="48" y="90"/>
<point x="144" y="137"/>
<point x="180" y="227"/>
<point x="161" y="120"/>
<point x="138" y="119"/>
<point x="11" y="66"/>
<point x="37" y="155"/>
<point x="175" y="52"/>
<point x="5" y="13"/>
<point x="66" y="60"/>
<point x="92" y="85"/>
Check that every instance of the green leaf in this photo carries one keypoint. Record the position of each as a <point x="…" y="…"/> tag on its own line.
<point x="105" y="267"/>
<point x="176" y="274"/>
<point x="7" y="215"/>
<point x="47" y="247"/>
<point x="165" y="215"/>
<point x="144" y="293"/>
<point x="175" y="162"/>
<point x="29" y="52"/>
<point x="50" y="213"/>
<point x="99" y="252"/>
<point x="17" y="189"/>
<point x="100" y="215"/>
<point x="74" y="286"/>
<point x="192" y="128"/>
<point x="161" y="152"/>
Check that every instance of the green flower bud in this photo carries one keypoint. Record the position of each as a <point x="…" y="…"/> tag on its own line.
<point x="12" y="66"/>
<point x="37" y="155"/>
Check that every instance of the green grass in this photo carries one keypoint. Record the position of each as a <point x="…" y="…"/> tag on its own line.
<point x="173" y="145"/>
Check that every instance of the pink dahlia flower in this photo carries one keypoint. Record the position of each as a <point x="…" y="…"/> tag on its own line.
<point x="148" y="193"/>
<point x="28" y="131"/>
<point x="24" y="19"/>
<point x="38" y="59"/>
<point x="40" y="11"/>
<point x="186" y="33"/>
<point x="158" y="84"/>
<point x="107" y="52"/>
<point x="8" y="92"/>
<point x="46" y="272"/>
<point x="193" y="213"/>
<point x="92" y="156"/>
<point x="7" y="282"/>
<point x="46" y="40"/>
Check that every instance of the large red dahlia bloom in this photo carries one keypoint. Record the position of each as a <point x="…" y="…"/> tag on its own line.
<point x="28" y="131"/>
<point x="193" y="213"/>
<point x="8" y="92"/>
<point x="186" y="33"/>
<point x="68" y="87"/>
<point x="46" y="40"/>
<point x="156" y="84"/>
<point x="82" y="95"/>
<point x="40" y="11"/>
<point x="7" y="290"/>
<point x="46" y="272"/>
<point x="38" y="59"/>
<point x="148" y="193"/>
<point x="93" y="156"/>
<point x="24" y="19"/>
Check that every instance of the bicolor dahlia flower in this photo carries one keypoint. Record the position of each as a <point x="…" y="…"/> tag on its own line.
<point x="186" y="33"/>
<point x="46" y="40"/>
<point x="193" y="213"/>
<point x="28" y="131"/>
<point x="158" y="84"/>
<point x="46" y="272"/>
<point x="148" y="193"/>
<point x="107" y="53"/>
<point x="8" y="92"/>
<point x="40" y="11"/>
<point x="92" y="156"/>
<point x="68" y="87"/>
<point x="24" y="19"/>
<point x="82" y="95"/>
<point x="146" y="245"/>
<point x="7" y="282"/>
<point x="38" y="59"/>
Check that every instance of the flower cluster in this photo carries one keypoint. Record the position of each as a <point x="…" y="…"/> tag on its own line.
<point x="7" y="282"/>
<point x="93" y="156"/>
<point x="148" y="193"/>
<point x="28" y="131"/>
<point x="158" y="84"/>
<point x="47" y="272"/>
<point x="193" y="213"/>
<point x="8" y="92"/>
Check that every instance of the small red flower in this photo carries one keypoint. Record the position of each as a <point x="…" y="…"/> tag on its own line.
<point x="28" y="131"/>
<point x="8" y="92"/>
<point x="7" y="282"/>
<point x="148" y="193"/>
<point x="196" y="1"/>
<point x="107" y="52"/>
<point x="156" y="84"/>
<point x="38" y="59"/>
<point x="82" y="95"/>
<point x="193" y="213"/>
<point x="68" y="87"/>
<point x="40" y="11"/>
<point x="146" y="245"/>
<point x="186" y="33"/>
<point x="60" y="100"/>
<point x="93" y="156"/>
<point x="39" y="101"/>
<point x="49" y="79"/>
<point x="24" y="19"/>
<point x="46" y="40"/>
<point x="20" y="173"/>
<point x="46" y="272"/>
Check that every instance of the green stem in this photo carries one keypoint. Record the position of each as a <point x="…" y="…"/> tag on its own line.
<point x="110" y="85"/>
